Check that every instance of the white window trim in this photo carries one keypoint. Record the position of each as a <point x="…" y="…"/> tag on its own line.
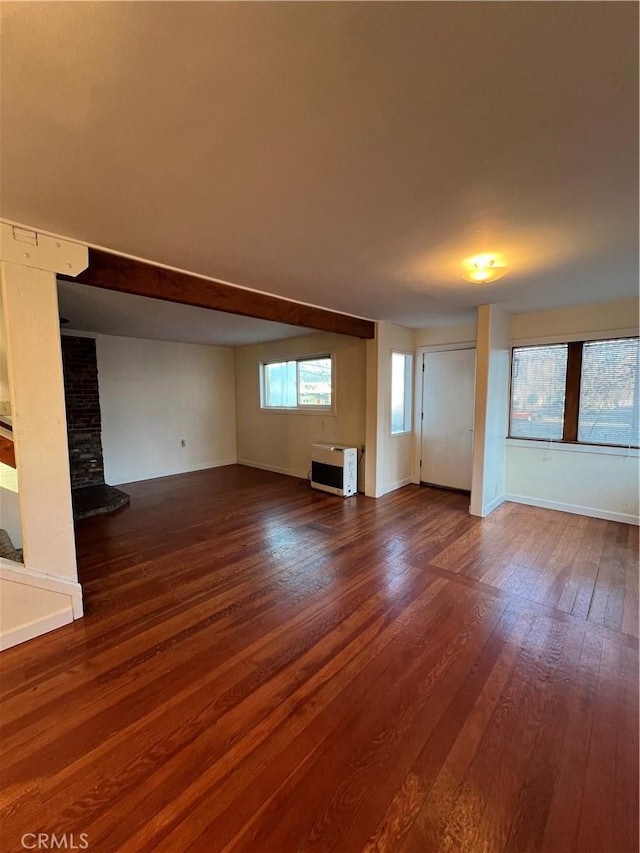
<point x="322" y="411"/>
<point x="408" y="397"/>
<point x="602" y="335"/>
<point x="570" y="447"/>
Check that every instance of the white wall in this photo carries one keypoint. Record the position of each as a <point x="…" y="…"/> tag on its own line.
<point x="491" y="409"/>
<point x="281" y="441"/>
<point x="599" y="482"/>
<point x="389" y="457"/>
<point x="154" y="395"/>
<point x="602" y="485"/>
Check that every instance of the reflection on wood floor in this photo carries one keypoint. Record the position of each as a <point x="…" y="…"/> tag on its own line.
<point x="267" y="668"/>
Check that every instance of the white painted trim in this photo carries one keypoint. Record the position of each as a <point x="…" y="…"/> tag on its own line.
<point x="319" y="411"/>
<point x="178" y="269"/>
<point x="446" y="347"/>
<point x="17" y="573"/>
<point x="600" y="450"/>
<point x="169" y="472"/>
<point x="28" y="247"/>
<point x="35" y="629"/>
<point x="597" y="335"/>
<point x="391" y="487"/>
<point x="292" y="410"/>
<point x="274" y="468"/>
<point x="592" y="512"/>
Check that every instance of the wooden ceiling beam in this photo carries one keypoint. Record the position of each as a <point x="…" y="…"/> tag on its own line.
<point x="125" y="275"/>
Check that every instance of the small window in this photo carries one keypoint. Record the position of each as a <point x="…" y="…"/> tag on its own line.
<point x="537" y="391"/>
<point x="401" y="384"/>
<point x="609" y="407"/>
<point x="304" y="383"/>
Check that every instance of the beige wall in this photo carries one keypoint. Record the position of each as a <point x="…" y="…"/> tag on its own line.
<point x="596" y="482"/>
<point x="571" y="323"/>
<point x="154" y="395"/>
<point x="281" y="441"/>
<point x="460" y="333"/>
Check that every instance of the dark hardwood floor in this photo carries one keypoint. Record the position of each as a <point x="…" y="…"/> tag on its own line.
<point x="267" y="668"/>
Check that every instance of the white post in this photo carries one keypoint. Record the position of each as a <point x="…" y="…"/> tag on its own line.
<point x="491" y="410"/>
<point x="28" y="266"/>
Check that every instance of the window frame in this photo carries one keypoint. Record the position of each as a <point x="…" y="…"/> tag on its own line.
<point x="571" y="413"/>
<point x="408" y="388"/>
<point x="299" y="408"/>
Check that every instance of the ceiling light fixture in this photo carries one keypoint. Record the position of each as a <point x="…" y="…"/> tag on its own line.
<point x="482" y="269"/>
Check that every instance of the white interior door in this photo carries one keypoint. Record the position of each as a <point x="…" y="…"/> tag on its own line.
<point x="448" y="389"/>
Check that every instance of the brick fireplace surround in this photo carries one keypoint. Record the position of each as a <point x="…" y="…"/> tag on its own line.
<point x="91" y="495"/>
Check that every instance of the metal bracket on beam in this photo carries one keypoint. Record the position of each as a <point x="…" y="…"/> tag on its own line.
<point x="29" y="248"/>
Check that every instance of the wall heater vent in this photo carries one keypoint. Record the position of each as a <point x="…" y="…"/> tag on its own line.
<point x="334" y="469"/>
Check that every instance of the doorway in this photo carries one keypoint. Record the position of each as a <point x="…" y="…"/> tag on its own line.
<point x="446" y="441"/>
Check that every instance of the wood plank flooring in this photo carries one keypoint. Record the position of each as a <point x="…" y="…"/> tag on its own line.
<point x="263" y="667"/>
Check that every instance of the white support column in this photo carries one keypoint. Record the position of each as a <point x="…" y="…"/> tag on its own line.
<point x="28" y="265"/>
<point x="491" y="410"/>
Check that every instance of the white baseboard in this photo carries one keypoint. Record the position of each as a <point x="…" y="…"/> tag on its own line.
<point x="494" y="504"/>
<point x="15" y="636"/>
<point x="391" y="487"/>
<point x="121" y="479"/>
<point x="18" y="573"/>
<point x="276" y="469"/>
<point x="607" y="515"/>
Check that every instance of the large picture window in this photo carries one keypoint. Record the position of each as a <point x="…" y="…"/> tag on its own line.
<point x="303" y="383"/>
<point x="580" y="392"/>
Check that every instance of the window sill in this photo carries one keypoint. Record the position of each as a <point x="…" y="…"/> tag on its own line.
<point x="601" y="450"/>
<point x="400" y="434"/>
<point x="322" y="412"/>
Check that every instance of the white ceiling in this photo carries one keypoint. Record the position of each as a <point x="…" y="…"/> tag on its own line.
<point x="91" y="309"/>
<point x="345" y="154"/>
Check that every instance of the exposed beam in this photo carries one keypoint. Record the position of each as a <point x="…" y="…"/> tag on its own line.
<point x="113" y="272"/>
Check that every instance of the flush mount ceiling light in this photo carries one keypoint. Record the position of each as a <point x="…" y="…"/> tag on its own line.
<point x="482" y="269"/>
